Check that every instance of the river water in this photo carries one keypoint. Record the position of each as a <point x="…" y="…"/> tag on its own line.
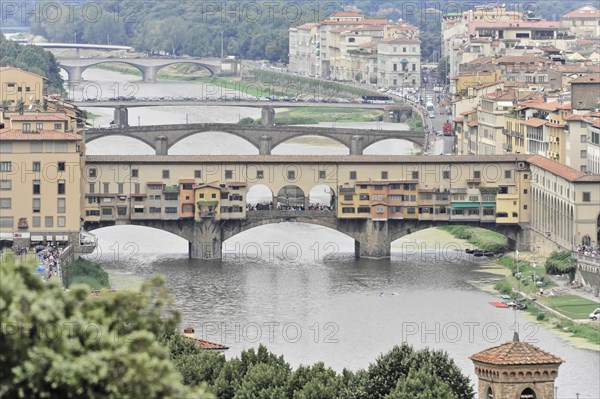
<point x="297" y="288"/>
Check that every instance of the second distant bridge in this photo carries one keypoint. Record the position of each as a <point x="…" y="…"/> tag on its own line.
<point x="265" y="138"/>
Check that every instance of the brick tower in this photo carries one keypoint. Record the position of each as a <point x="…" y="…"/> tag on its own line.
<point x="516" y="370"/>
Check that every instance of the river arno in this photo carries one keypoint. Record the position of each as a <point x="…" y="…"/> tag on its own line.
<point x="297" y="289"/>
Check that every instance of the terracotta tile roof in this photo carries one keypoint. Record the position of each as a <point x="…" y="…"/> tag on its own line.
<point x="324" y="159"/>
<point x="309" y="25"/>
<point x="552" y="106"/>
<point x="54" y="135"/>
<point x="573" y="117"/>
<point x="585" y="12"/>
<point x="363" y="22"/>
<point x="565" y="105"/>
<point x="155" y="183"/>
<point x="39" y="117"/>
<point x="187" y="181"/>
<point x="482" y="60"/>
<point x="473" y="110"/>
<point x="6" y="68"/>
<point x="473" y="123"/>
<point x="207" y="345"/>
<point x="520" y="59"/>
<point x="590" y="78"/>
<point x="236" y="184"/>
<point x="457" y="120"/>
<point x="346" y="14"/>
<point x="516" y="353"/>
<point x="556" y="168"/>
<point x="550" y="124"/>
<point x="535" y="122"/>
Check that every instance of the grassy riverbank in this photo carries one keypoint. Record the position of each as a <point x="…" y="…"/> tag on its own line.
<point x="415" y="122"/>
<point x="83" y="271"/>
<point x="314" y="115"/>
<point x="481" y="238"/>
<point x="568" y="307"/>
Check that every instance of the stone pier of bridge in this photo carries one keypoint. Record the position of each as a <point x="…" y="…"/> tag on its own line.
<point x="372" y="239"/>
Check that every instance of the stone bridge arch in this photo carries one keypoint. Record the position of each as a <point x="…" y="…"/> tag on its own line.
<point x="181" y="228"/>
<point x="411" y="138"/>
<point x="175" y="138"/>
<point x="156" y="68"/>
<point x="317" y="218"/>
<point x="345" y="141"/>
<point x="118" y="132"/>
<point x="514" y="233"/>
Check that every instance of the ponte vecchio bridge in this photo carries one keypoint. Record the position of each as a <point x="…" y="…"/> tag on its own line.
<point x="374" y="199"/>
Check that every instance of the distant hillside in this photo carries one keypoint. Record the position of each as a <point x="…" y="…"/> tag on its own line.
<point x="33" y="59"/>
<point x="251" y="30"/>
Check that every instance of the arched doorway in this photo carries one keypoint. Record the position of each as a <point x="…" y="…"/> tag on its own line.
<point x="321" y="197"/>
<point x="291" y="198"/>
<point x="259" y="198"/>
<point x="586" y="240"/>
<point x="528" y="393"/>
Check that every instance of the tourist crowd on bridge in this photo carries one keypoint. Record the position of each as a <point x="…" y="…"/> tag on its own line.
<point x="49" y="258"/>
<point x="268" y="206"/>
<point x="588" y="250"/>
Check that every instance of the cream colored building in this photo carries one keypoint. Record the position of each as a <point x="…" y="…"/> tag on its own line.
<point x="40" y="185"/>
<point x="583" y="21"/>
<point x="593" y="147"/>
<point x="564" y="204"/>
<point x="304" y="48"/>
<point x="18" y="85"/>
<point x="399" y="62"/>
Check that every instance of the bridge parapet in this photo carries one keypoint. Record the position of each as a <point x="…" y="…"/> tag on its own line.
<point x="588" y="260"/>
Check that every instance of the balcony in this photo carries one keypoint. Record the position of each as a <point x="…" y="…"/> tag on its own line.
<point x="458" y="191"/>
<point x="507" y="147"/>
<point x="207" y="214"/>
<point x="171" y="189"/>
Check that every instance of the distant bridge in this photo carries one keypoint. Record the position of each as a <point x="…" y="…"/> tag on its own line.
<point x="81" y="46"/>
<point x="149" y="67"/>
<point x="265" y="138"/>
<point x="238" y="102"/>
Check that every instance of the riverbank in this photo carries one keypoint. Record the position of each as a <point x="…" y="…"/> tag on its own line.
<point x="82" y="271"/>
<point x="314" y="115"/>
<point x="581" y="334"/>
<point x="562" y="314"/>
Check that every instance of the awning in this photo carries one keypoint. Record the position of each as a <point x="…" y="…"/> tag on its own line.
<point x="488" y="204"/>
<point x="37" y="238"/>
<point x="465" y="205"/>
<point x="6" y="236"/>
<point x="138" y="206"/>
<point x="62" y="238"/>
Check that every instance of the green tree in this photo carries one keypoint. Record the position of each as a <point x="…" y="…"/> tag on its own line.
<point x="314" y="382"/>
<point x="421" y="383"/>
<point x="57" y="343"/>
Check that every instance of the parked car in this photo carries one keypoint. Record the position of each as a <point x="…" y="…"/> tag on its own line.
<point x="595" y="315"/>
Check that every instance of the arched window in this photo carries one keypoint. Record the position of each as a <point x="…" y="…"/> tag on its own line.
<point x="489" y="394"/>
<point x="586" y="240"/>
<point x="528" y="393"/>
